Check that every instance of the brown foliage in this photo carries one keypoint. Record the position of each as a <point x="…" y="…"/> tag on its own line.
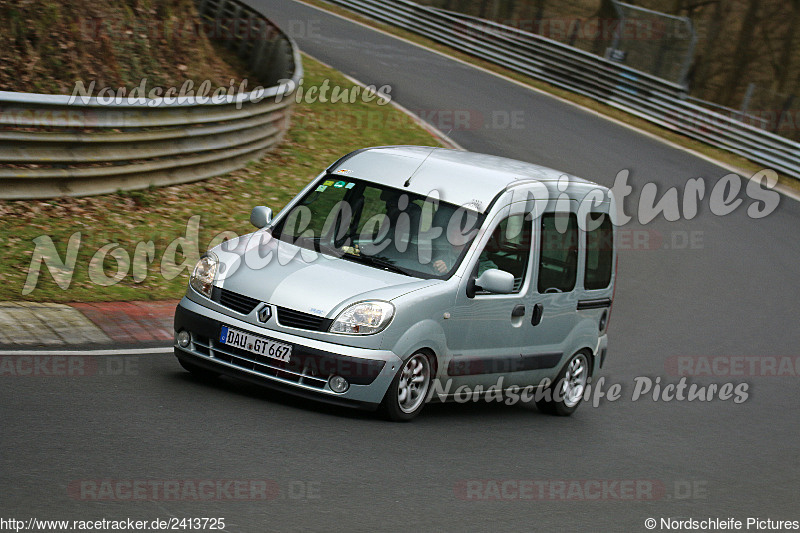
<point x="46" y="46"/>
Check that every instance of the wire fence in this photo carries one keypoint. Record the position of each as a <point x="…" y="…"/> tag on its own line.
<point x="659" y="44"/>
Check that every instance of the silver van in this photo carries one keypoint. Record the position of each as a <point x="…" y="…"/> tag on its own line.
<point x="406" y="274"/>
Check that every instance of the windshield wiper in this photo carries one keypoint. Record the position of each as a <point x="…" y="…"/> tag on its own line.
<point x="377" y="262"/>
<point x="316" y="244"/>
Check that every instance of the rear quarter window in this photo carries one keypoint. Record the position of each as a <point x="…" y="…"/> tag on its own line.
<point x="599" y="252"/>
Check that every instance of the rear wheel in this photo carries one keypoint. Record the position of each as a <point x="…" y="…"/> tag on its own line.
<point x="198" y="371"/>
<point x="566" y="393"/>
<point x="409" y="389"/>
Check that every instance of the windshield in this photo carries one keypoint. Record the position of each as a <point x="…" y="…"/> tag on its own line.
<point x="382" y="227"/>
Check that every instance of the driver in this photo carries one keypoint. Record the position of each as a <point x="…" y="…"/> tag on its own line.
<point x="447" y="253"/>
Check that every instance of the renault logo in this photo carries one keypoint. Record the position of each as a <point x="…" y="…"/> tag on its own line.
<point x="264" y="314"/>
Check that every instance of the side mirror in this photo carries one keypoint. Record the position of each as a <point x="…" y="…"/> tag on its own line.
<point x="495" y="281"/>
<point x="261" y="216"/>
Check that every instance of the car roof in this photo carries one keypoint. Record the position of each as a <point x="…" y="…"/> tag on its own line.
<point x="460" y="177"/>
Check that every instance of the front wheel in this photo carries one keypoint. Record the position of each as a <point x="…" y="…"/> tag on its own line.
<point x="409" y="389"/>
<point x="566" y="393"/>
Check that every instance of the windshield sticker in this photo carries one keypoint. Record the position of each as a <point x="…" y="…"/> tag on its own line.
<point x="321" y="188"/>
<point x="328" y="183"/>
<point x="350" y="185"/>
<point x="339" y="184"/>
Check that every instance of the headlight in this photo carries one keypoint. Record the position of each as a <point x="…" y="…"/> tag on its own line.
<point x="203" y="275"/>
<point x="363" y="318"/>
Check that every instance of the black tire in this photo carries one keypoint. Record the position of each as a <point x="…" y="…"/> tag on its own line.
<point x="409" y="389"/>
<point x="198" y="371"/>
<point x="565" y="394"/>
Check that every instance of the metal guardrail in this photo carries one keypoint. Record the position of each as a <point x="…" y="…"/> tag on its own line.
<point x="648" y="97"/>
<point x="49" y="147"/>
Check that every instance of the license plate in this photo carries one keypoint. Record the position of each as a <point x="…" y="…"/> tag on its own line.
<point x="255" y="344"/>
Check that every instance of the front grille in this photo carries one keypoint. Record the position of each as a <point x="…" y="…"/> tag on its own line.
<point x="306" y="366"/>
<point x="201" y="344"/>
<point x="291" y="371"/>
<point x="238" y="302"/>
<point x="299" y="320"/>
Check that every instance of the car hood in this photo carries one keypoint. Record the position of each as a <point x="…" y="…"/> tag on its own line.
<point x="288" y="276"/>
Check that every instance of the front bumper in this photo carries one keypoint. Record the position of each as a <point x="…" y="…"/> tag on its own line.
<point x="369" y="372"/>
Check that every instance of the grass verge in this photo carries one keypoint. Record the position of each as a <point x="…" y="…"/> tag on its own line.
<point x="133" y="227"/>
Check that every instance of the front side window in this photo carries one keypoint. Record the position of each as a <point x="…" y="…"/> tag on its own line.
<point x="508" y="249"/>
<point x="558" y="263"/>
<point x="381" y="227"/>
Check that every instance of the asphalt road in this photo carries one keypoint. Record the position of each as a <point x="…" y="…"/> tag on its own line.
<point x="732" y="293"/>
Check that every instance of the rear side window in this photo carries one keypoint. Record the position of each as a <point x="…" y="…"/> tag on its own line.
<point x="599" y="252"/>
<point x="558" y="264"/>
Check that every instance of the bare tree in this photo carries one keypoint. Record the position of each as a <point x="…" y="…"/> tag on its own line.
<point x="483" y="11"/>
<point x="742" y="54"/>
<point x="786" y="56"/>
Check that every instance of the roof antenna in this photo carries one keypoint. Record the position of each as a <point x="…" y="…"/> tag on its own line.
<point x="408" y="181"/>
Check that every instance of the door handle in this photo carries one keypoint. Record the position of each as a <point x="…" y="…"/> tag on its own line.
<point x="518" y="311"/>
<point x="536" y="317"/>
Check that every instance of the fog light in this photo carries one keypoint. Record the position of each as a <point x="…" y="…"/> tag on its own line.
<point x="338" y="384"/>
<point x="183" y="338"/>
